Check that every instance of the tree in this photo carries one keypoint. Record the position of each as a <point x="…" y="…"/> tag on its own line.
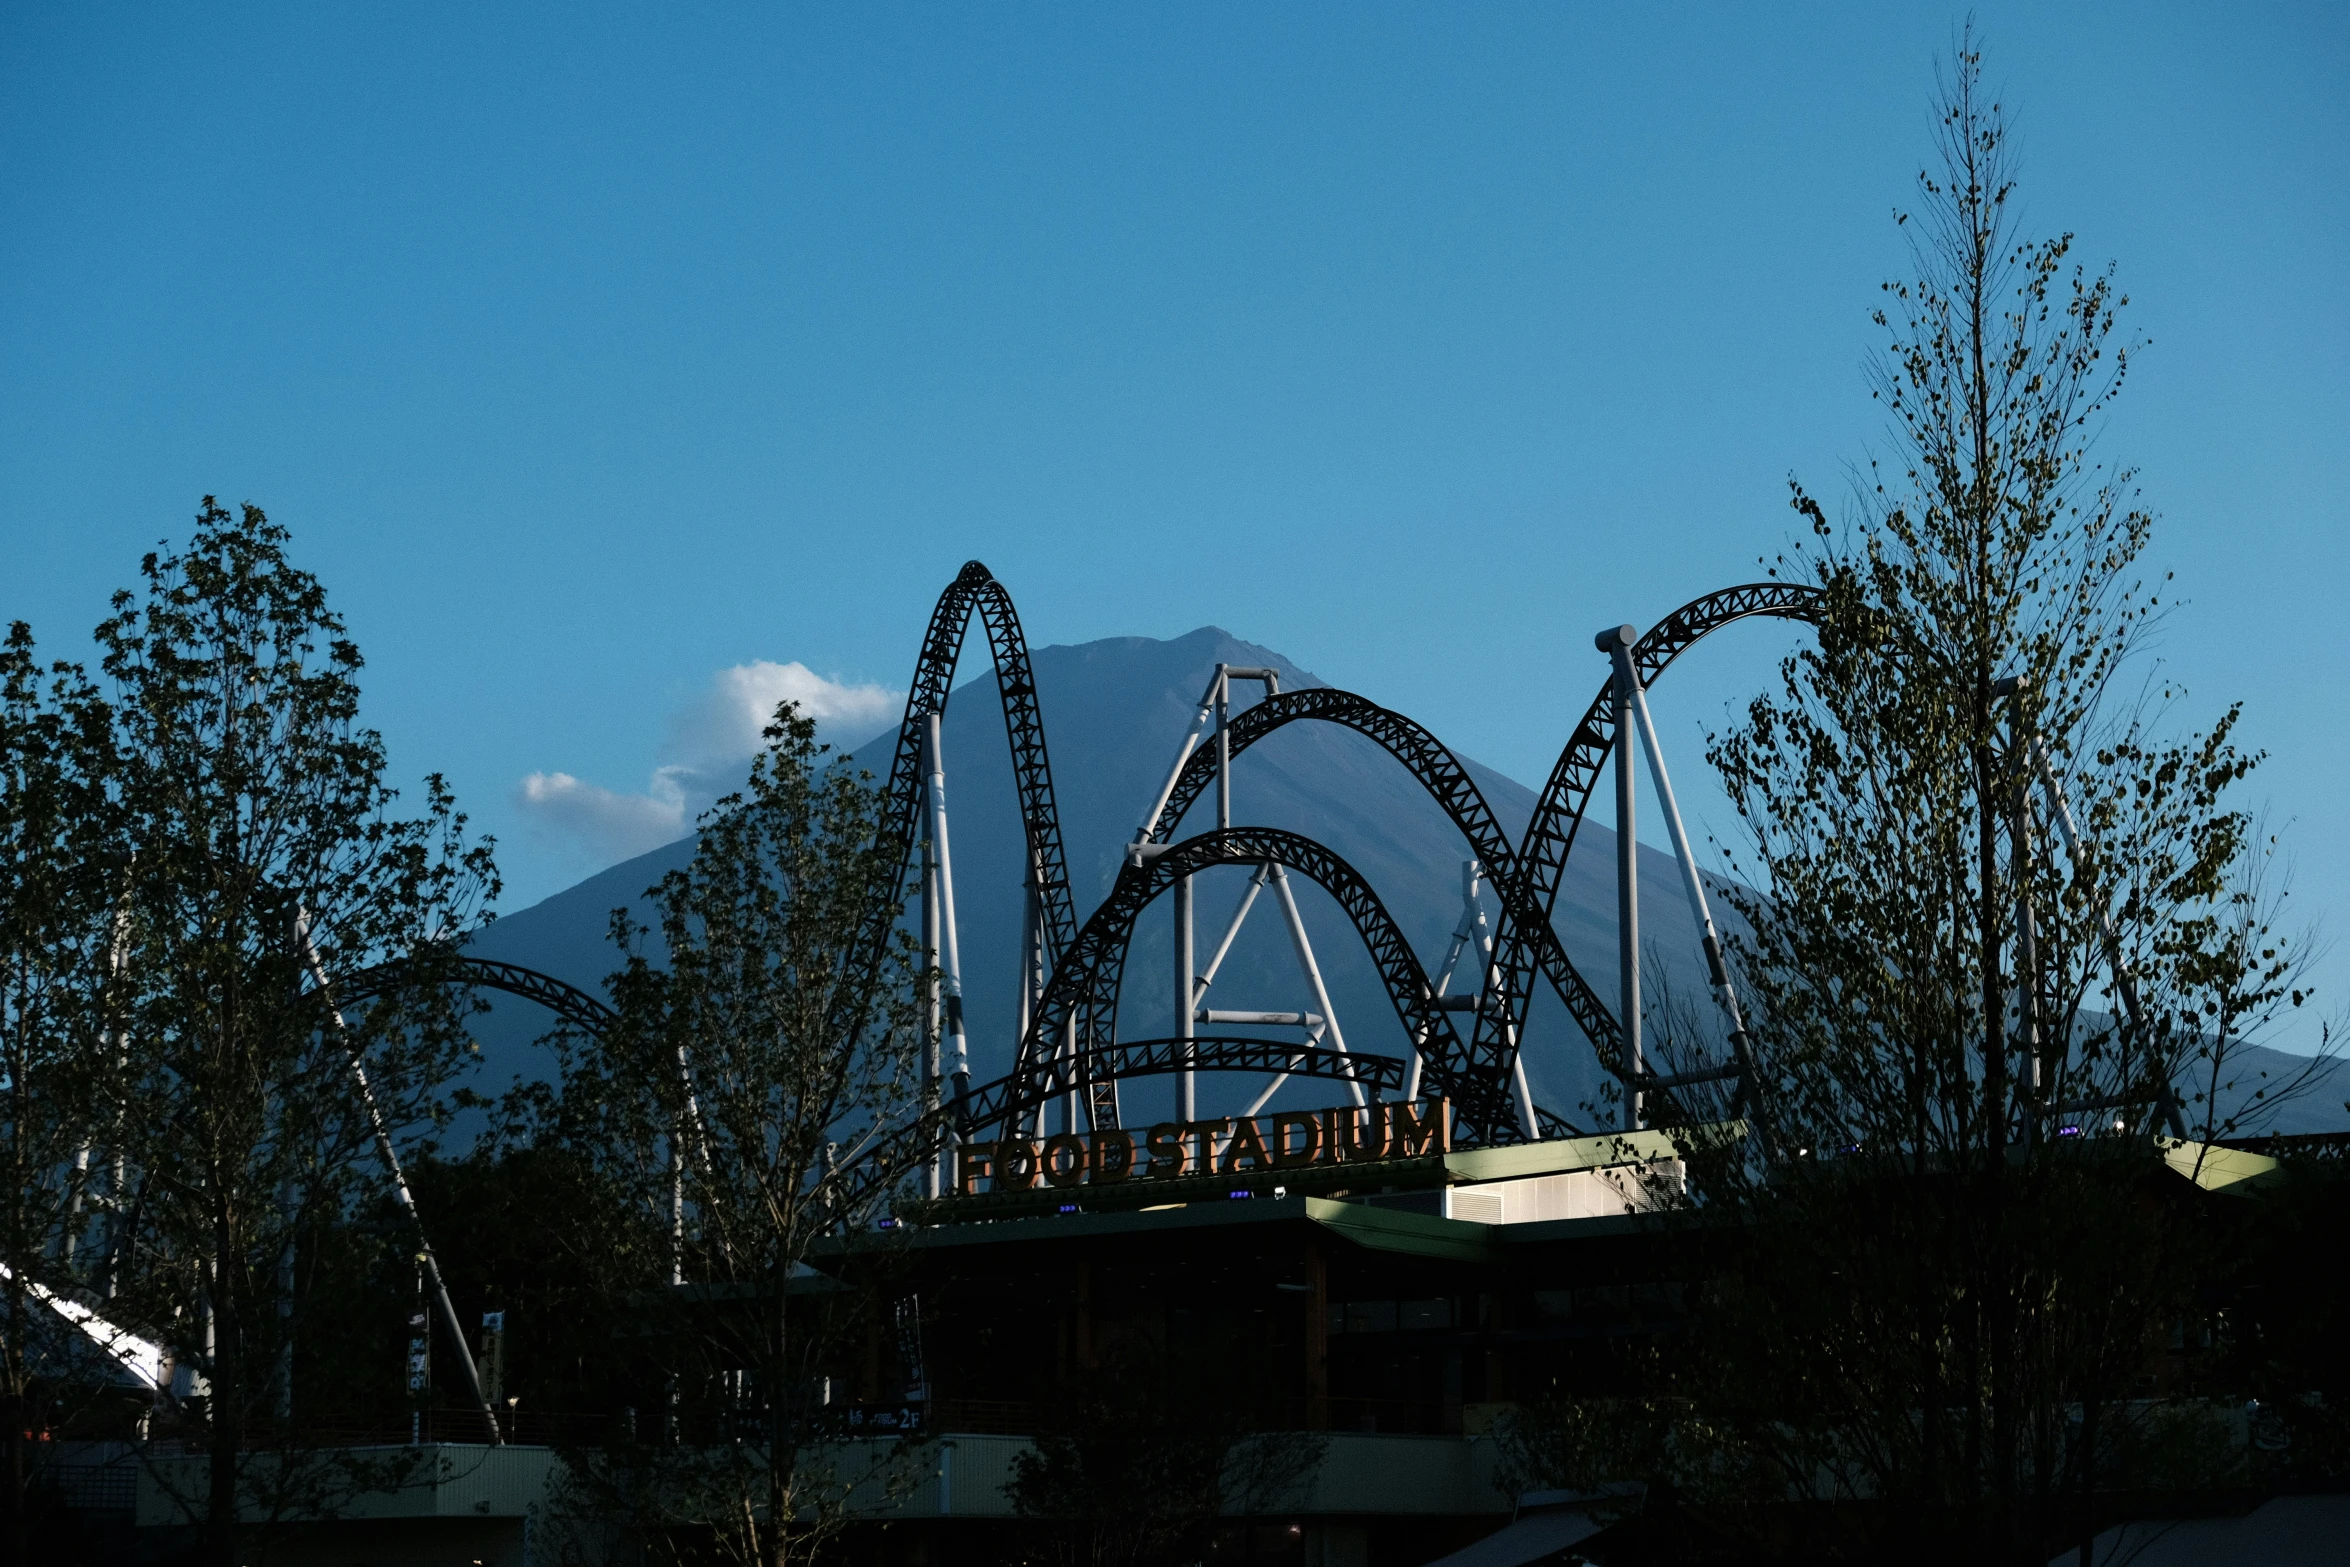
<point x="1932" y="1298"/>
<point x="761" y="1069"/>
<point x="58" y="875"/>
<point x="268" y="861"/>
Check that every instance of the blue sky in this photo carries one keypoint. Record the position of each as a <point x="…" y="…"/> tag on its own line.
<point x="595" y="353"/>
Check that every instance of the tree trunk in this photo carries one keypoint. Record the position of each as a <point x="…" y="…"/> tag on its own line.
<point x="226" y="1403"/>
<point x="782" y="1452"/>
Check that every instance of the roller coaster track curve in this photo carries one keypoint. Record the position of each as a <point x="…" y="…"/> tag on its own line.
<point x="568" y="1002"/>
<point x="1447" y="782"/>
<point x="1558" y="815"/>
<point x="1077" y="1019"/>
<point x="976" y="589"/>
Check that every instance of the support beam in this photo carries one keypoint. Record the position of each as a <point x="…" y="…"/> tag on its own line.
<point x="1313" y="970"/>
<point x="2125" y="982"/>
<point x="399" y="1178"/>
<point x="1185" y="980"/>
<point x="935" y="1175"/>
<point x="950" y="951"/>
<point x="1223" y="749"/>
<point x="1617" y="643"/>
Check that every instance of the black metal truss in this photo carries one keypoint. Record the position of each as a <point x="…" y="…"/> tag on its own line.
<point x="1448" y="783"/>
<point x="1077" y="1018"/>
<point x="974" y="588"/>
<point x="1007" y="1099"/>
<point x="568" y="1002"/>
<point x="1558" y="816"/>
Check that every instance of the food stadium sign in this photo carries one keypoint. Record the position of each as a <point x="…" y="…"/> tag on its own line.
<point x="1248" y="1145"/>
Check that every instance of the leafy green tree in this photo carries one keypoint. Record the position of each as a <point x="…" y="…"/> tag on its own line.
<point x="268" y="855"/>
<point x="762" y="1069"/>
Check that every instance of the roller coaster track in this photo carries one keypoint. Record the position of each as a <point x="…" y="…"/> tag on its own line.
<point x="1558" y="816"/>
<point x="1072" y="1045"/>
<point x="1032" y="774"/>
<point x="1075" y="1028"/>
<point x="568" y="1002"/>
<point x="1448" y="783"/>
<point x="1006" y="1100"/>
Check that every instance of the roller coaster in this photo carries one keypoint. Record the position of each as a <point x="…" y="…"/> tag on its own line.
<point x="1070" y="1059"/>
<point x="1465" y="1045"/>
<point x="1069" y="1056"/>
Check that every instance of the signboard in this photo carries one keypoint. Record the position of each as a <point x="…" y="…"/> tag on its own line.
<point x="1292" y="1140"/>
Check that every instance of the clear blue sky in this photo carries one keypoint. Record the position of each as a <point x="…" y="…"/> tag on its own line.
<point x="591" y="351"/>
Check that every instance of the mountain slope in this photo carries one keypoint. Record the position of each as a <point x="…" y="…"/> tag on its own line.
<point x="1114" y="711"/>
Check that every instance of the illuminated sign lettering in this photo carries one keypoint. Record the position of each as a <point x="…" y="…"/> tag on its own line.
<point x="1294" y="1139"/>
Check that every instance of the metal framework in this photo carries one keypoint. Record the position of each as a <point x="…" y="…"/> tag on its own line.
<point x="568" y="1002"/>
<point x="1068" y="1051"/>
<point x="1075" y="1029"/>
<point x="974" y="589"/>
<point x="1433" y="765"/>
<point x="1558" y="816"/>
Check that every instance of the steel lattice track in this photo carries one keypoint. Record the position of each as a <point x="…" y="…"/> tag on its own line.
<point x="568" y="1002"/>
<point x="1072" y="1043"/>
<point x="1558" y="816"/>
<point x="1077" y="1019"/>
<point x="1448" y="783"/>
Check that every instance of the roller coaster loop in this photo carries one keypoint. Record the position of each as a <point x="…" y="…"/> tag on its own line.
<point x="1558" y="815"/>
<point x="1077" y="1019"/>
<point x="1072" y="1045"/>
<point x="934" y="674"/>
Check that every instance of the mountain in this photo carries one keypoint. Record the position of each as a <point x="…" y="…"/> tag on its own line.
<point x="1114" y="713"/>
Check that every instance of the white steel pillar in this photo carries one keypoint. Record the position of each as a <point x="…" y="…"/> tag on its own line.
<point x="1617" y="643"/>
<point x="1186" y="999"/>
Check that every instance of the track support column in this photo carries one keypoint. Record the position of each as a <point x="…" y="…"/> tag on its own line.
<point x="1186" y="998"/>
<point x="1617" y="643"/>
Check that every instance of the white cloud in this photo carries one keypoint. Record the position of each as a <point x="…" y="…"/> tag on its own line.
<point x="708" y="751"/>
<point x="610" y="826"/>
<point x="726" y="724"/>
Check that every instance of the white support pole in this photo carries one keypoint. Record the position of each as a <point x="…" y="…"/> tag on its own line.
<point x="399" y="1178"/>
<point x="1526" y="1117"/>
<point x="2124" y="981"/>
<point x="1186" y="1080"/>
<point x="1692" y="883"/>
<point x="1191" y="741"/>
<point x="1207" y="976"/>
<point x="1033" y="980"/>
<point x="1313" y="970"/>
<point x="933" y="1084"/>
<point x="1025" y="1010"/>
<point x="1463" y="934"/>
<point x="1617" y="644"/>
<point x="1223" y="749"/>
<point x="950" y="952"/>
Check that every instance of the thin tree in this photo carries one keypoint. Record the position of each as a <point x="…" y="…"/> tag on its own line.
<point x="2002" y="908"/>
<point x="761" y="1072"/>
<point x="2002" y="926"/>
<point x="269" y="856"/>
